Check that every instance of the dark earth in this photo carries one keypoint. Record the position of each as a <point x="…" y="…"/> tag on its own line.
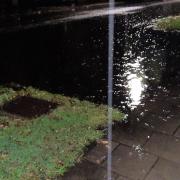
<point x="28" y="107"/>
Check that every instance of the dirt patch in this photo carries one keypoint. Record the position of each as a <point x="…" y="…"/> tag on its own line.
<point x="28" y="107"/>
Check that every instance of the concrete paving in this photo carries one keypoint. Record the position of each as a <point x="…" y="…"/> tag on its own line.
<point x="164" y="146"/>
<point x="132" y="162"/>
<point x="139" y="136"/>
<point x="87" y="171"/>
<point x="99" y="153"/>
<point x="145" y="152"/>
<point x="165" y="170"/>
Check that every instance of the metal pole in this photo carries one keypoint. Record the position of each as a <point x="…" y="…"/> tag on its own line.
<point x="110" y="85"/>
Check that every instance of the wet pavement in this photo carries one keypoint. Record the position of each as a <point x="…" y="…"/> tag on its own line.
<point x="146" y="86"/>
<point x="145" y="153"/>
<point x="69" y="56"/>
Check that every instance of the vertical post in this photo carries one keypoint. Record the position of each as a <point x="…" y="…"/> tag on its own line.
<point x="110" y="84"/>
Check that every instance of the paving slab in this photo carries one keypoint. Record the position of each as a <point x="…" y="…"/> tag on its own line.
<point x="131" y="163"/>
<point x="161" y="113"/>
<point x="138" y="136"/>
<point x="164" y="146"/>
<point x="99" y="153"/>
<point x="161" y="104"/>
<point x="87" y="171"/>
<point x="166" y="125"/>
<point x="177" y="134"/>
<point x="165" y="170"/>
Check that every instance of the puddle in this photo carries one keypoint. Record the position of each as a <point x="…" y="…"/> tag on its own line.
<point x="28" y="107"/>
<point x="71" y="58"/>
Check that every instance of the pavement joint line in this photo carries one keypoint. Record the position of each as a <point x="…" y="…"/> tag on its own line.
<point x="144" y="151"/>
<point x="175" y="131"/>
<point x="153" y="132"/>
<point x="170" y="135"/>
<point x="168" y="160"/>
<point x="157" y="131"/>
<point x="100" y="164"/>
<point x="123" y="144"/>
<point x="104" y="158"/>
<point x="151" y="168"/>
<point x="150" y="153"/>
<point x="116" y="146"/>
<point x="163" y="133"/>
<point x="120" y="144"/>
<point x="147" y="139"/>
<point x="158" y="158"/>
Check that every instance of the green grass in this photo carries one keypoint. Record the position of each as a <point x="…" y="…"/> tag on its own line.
<point x="48" y="145"/>
<point x="169" y="23"/>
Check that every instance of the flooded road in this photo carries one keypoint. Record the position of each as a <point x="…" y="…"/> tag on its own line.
<point x="70" y="57"/>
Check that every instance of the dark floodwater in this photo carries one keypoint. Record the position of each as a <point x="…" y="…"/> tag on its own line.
<point x="71" y="58"/>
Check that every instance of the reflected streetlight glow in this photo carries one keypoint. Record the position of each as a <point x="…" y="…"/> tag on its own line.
<point x="136" y="88"/>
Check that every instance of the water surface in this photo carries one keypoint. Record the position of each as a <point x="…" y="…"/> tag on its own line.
<point x="70" y="57"/>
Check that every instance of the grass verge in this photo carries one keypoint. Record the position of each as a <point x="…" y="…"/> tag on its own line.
<point x="169" y="23"/>
<point x="49" y="145"/>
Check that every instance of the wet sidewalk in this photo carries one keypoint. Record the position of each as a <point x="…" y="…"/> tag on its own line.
<point x="147" y="151"/>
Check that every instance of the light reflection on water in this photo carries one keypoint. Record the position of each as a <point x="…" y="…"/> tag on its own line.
<point x="76" y="59"/>
<point x="135" y="89"/>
